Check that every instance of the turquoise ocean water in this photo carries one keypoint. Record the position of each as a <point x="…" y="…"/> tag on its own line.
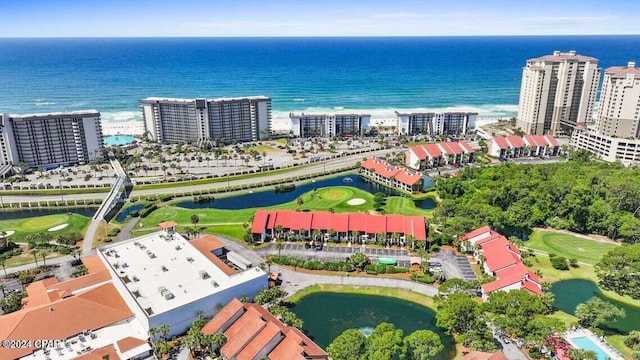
<point x="377" y="75"/>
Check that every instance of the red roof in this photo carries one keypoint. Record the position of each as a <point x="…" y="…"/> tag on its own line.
<point x="409" y="177"/>
<point x="475" y="233"/>
<point x="497" y="254"/>
<point x="455" y="147"/>
<point x="535" y="140"/>
<point x="259" y="221"/>
<point x="501" y="142"/>
<point x="168" y="224"/>
<point x="515" y="141"/>
<point x="420" y="151"/>
<point x="345" y="222"/>
<point x="206" y="245"/>
<point x="551" y="140"/>
<point x="386" y="170"/>
<point x="433" y="150"/>
<point x="466" y="147"/>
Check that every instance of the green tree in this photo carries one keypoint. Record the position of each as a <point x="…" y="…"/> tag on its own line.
<point x="384" y="343"/>
<point x="597" y="312"/>
<point x="454" y="285"/>
<point x="195" y="219"/>
<point x="279" y="245"/>
<point x="270" y="296"/>
<point x="421" y="345"/>
<point x="359" y="260"/>
<point x="619" y="270"/>
<point x="11" y="302"/>
<point x="458" y="313"/>
<point x="513" y="309"/>
<point x="350" y="345"/>
<point x="541" y="327"/>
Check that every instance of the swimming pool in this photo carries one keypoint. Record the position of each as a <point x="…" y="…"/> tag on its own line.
<point x="586" y="343"/>
<point x="118" y="140"/>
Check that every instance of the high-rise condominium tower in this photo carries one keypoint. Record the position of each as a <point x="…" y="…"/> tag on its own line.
<point x="620" y="102"/>
<point x="51" y="140"/>
<point x="225" y="119"/>
<point x="557" y="93"/>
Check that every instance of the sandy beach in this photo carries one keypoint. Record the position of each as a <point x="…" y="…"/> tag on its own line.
<point x="122" y="128"/>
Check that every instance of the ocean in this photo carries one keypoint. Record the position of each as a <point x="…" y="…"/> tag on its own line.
<point x="371" y="75"/>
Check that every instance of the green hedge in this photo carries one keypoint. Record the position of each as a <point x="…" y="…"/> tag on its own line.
<point x="423" y="278"/>
<point x="313" y="264"/>
<point x="385" y="269"/>
<point x="148" y="210"/>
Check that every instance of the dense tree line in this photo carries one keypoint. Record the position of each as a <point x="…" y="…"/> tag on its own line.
<point x="582" y="196"/>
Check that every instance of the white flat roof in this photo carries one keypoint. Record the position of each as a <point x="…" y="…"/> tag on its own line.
<point x="164" y="272"/>
<point x="88" y="113"/>
<point x="259" y="97"/>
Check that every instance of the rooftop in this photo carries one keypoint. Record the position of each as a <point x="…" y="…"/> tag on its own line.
<point x="84" y="113"/>
<point x="559" y="56"/>
<point x="623" y="71"/>
<point x="164" y="271"/>
<point x="166" y="99"/>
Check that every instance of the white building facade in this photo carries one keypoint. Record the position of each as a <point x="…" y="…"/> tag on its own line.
<point x="616" y="134"/>
<point x="51" y="140"/>
<point x="329" y="125"/>
<point x="557" y="93"/>
<point x="222" y="119"/>
<point x="431" y="123"/>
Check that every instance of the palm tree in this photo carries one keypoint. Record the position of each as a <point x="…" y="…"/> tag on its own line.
<point x="355" y="236"/>
<point x="195" y="219"/>
<point x="279" y="247"/>
<point x="331" y="233"/>
<point x="302" y="231"/>
<point x="279" y="229"/>
<point x="217" y="341"/>
<point x="381" y="236"/>
<point x="3" y="261"/>
<point x="44" y="253"/>
<point x="315" y="234"/>
<point x="35" y="253"/>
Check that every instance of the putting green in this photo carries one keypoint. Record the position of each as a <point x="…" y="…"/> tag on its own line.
<point x="43" y="222"/>
<point x="335" y="194"/>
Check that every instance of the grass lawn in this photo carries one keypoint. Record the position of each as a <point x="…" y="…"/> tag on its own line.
<point x="229" y="222"/>
<point x="584" y="250"/>
<point x="24" y="227"/>
<point x="617" y="341"/>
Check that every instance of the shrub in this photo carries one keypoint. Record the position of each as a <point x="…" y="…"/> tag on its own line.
<point x="385" y="269"/>
<point x="423" y="278"/>
<point x="573" y="263"/>
<point x="535" y="353"/>
<point x="113" y="232"/>
<point x="559" y="262"/>
<point x="64" y="250"/>
<point x="148" y="210"/>
<point x="164" y="198"/>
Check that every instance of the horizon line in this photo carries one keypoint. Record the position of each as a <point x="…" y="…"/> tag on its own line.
<point x="301" y="36"/>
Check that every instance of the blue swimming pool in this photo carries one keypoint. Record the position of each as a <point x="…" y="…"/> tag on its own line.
<point x="118" y="140"/>
<point x="586" y="343"/>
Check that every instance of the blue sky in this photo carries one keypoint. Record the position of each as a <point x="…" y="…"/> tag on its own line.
<point x="88" y="18"/>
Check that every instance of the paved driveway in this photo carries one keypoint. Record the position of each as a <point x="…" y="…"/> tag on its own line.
<point x="454" y="266"/>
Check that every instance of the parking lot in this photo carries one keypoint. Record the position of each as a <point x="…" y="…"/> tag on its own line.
<point x="454" y="266"/>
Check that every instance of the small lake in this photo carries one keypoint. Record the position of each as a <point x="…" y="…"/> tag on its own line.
<point x="570" y="293"/>
<point x="122" y="215"/>
<point x="327" y="315"/>
<point x="27" y="213"/>
<point x="271" y="198"/>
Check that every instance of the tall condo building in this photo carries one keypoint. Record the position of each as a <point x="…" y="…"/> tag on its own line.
<point x="557" y="93"/>
<point x="223" y="119"/>
<point x="326" y="125"/>
<point x="431" y="123"/>
<point x="51" y="140"/>
<point x="616" y="133"/>
<point x="620" y="102"/>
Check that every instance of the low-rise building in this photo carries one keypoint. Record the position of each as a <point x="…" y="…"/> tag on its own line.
<point x="608" y="148"/>
<point x="430" y="156"/>
<point x="501" y="259"/>
<point x="254" y="333"/>
<point x="355" y="227"/>
<point x="393" y="176"/>
<point x="508" y="147"/>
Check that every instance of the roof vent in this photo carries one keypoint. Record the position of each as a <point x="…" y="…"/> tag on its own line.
<point x="631" y="64"/>
<point x="164" y="268"/>
<point x="204" y="275"/>
<point x="215" y="284"/>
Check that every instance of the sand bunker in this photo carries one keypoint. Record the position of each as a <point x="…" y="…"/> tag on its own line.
<point x="59" y="227"/>
<point x="356" y="201"/>
<point x="9" y="233"/>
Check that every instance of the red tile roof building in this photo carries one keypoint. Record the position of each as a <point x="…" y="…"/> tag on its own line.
<point x="252" y="332"/>
<point x="428" y="156"/>
<point x="368" y="226"/>
<point x="528" y="145"/>
<point x="502" y="260"/>
<point x="393" y="176"/>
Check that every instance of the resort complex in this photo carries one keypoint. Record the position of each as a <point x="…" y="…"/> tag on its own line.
<point x="147" y="282"/>
<point x="254" y="333"/>
<point x="394" y="176"/>
<point x="50" y="140"/>
<point x="557" y="93"/>
<point x="510" y="147"/>
<point x="501" y="259"/>
<point x="215" y="120"/>
<point x="326" y="125"/>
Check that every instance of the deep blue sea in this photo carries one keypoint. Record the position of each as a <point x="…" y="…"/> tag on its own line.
<point x="377" y="75"/>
